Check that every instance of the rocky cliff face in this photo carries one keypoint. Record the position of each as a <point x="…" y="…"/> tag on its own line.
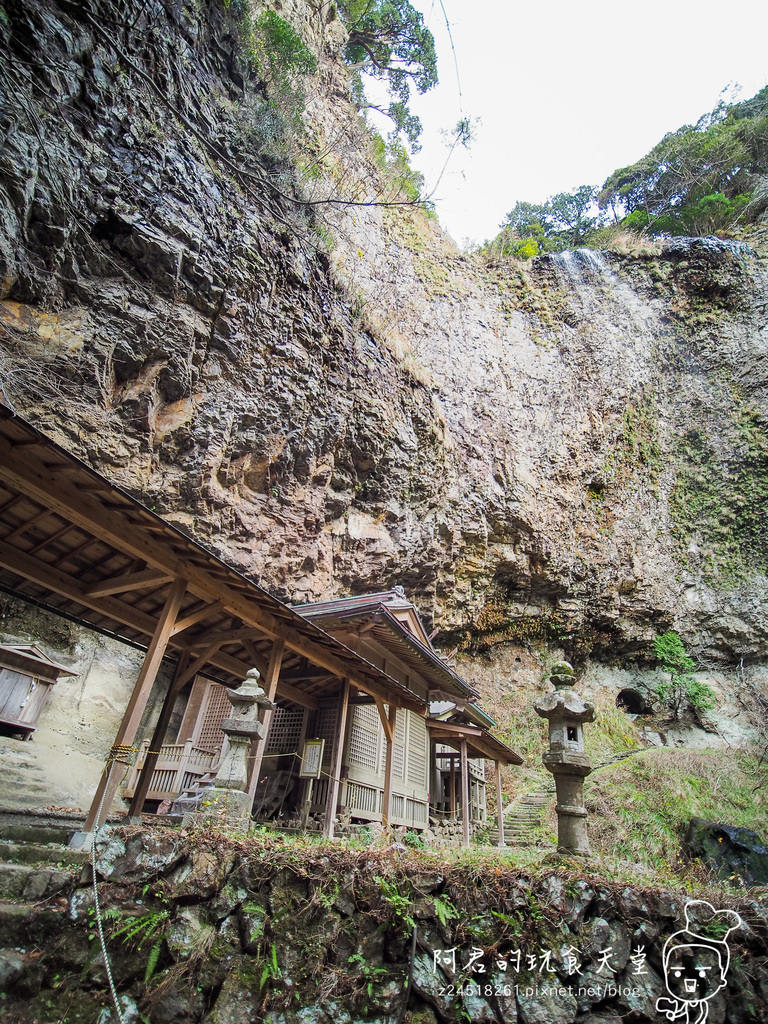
<point x="573" y="452"/>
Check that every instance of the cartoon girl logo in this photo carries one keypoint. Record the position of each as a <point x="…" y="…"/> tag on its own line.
<point x="695" y="965"/>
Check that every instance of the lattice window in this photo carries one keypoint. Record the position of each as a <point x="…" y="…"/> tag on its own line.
<point x="217" y="707"/>
<point x="364" y="737"/>
<point x="325" y="729"/>
<point x="417" y="751"/>
<point x="285" y="731"/>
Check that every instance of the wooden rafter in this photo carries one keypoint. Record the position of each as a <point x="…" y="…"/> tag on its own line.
<point x="85" y="511"/>
<point x="191" y="670"/>
<point x="62" y="583"/>
<point x="93" y="531"/>
<point x="203" y="611"/>
<point x="50" y="541"/>
<point x="482" y="744"/>
<point x="129" y="581"/>
<point x="22" y="528"/>
<point x="229" y="636"/>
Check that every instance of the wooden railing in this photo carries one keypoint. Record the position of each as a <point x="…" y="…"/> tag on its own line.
<point x="178" y="767"/>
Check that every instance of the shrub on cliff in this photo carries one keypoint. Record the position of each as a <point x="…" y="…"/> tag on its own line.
<point x="681" y="690"/>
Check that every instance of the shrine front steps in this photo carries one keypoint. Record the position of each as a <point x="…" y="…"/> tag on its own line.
<point x="36" y="863"/>
<point x="22" y="783"/>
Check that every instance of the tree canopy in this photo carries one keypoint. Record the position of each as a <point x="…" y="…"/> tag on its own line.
<point x="564" y="221"/>
<point x="701" y="179"/>
<point x="698" y="179"/>
<point x="388" y="40"/>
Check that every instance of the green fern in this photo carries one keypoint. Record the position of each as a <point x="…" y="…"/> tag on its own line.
<point x="402" y="906"/>
<point x="146" y="928"/>
<point x="271" y="971"/>
<point x="445" y="910"/>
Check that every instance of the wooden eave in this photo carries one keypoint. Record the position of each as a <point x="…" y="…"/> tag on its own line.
<point x="30" y="660"/>
<point x="393" y="637"/>
<point x="74" y="543"/>
<point x="480" y="743"/>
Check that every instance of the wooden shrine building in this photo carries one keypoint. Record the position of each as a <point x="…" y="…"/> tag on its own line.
<point x="26" y="677"/>
<point x="74" y="544"/>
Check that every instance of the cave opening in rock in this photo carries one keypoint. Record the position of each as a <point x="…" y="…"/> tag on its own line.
<point x="108" y="228"/>
<point x="632" y="702"/>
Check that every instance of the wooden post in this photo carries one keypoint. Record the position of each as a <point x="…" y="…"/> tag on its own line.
<point x="389" y="736"/>
<point x="464" y="794"/>
<point x="452" y="789"/>
<point x="500" y="805"/>
<point x="181" y="771"/>
<point x="338" y="755"/>
<point x="259" y="745"/>
<point x="307" y="805"/>
<point x="126" y="734"/>
<point x="158" y="736"/>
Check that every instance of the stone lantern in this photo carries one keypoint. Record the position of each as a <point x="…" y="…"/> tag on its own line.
<point x="230" y="787"/>
<point x="566" y="759"/>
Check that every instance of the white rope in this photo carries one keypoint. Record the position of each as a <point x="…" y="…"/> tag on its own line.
<point x="99" y="924"/>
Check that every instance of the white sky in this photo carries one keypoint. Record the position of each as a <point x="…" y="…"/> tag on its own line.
<point x="569" y="91"/>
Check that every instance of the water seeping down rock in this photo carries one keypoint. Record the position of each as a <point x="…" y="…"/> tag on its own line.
<point x="572" y="452"/>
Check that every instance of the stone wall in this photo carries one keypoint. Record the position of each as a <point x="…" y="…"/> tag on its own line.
<point x="264" y="930"/>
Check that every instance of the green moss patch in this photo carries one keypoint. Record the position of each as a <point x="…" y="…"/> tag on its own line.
<point x="718" y="503"/>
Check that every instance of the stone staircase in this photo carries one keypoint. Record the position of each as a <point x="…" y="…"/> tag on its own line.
<point x="523" y="816"/>
<point x="35" y="861"/>
<point x="22" y="783"/>
<point x="36" y="870"/>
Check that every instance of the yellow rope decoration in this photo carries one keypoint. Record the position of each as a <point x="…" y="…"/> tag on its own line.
<point x="122" y="754"/>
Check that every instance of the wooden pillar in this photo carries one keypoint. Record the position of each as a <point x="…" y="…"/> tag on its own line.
<point x="338" y="755"/>
<point x="452" y="788"/>
<point x="388" y="722"/>
<point x="259" y="745"/>
<point x="191" y="719"/>
<point x="464" y="794"/>
<point x="158" y="737"/>
<point x="500" y="805"/>
<point x="126" y="734"/>
<point x="306" y="806"/>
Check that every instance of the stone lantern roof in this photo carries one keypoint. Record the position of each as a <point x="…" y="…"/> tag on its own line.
<point x="563" y="702"/>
